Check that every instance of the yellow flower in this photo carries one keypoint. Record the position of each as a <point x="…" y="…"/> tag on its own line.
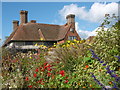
<point x="68" y="41"/>
<point x="36" y="44"/>
<point x="30" y="57"/>
<point x="41" y="39"/>
<point x="77" y="41"/>
<point x="44" y="46"/>
<point x="90" y="85"/>
<point x="72" y="44"/>
<point x="54" y="45"/>
<point x="63" y="46"/>
<point x="67" y="45"/>
<point x="74" y="40"/>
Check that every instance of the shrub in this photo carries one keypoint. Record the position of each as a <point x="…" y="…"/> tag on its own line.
<point x="107" y="44"/>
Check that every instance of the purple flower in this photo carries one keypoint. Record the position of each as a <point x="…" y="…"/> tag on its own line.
<point x="118" y="58"/>
<point x="115" y="86"/>
<point x="104" y="64"/>
<point x="98" y="81"/>
<point x="101" y="61"/>
<point x="117" y="79"/>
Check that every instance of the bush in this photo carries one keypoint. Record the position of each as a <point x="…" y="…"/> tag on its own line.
<point x="107" y="44"/>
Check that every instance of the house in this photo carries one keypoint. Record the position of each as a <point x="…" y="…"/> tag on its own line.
<point x="26" y="34"/>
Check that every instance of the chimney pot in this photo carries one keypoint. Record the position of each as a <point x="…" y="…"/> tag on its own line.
<point x="70" y="18"/>
<point x="33" y="21"/>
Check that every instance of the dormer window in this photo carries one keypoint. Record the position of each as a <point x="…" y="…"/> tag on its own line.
<point x="72" y="29"/>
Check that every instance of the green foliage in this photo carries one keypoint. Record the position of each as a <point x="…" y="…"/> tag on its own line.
<point x="107" y="44"/>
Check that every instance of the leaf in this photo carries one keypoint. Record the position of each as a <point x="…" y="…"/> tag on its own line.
<point x="87" y="58"/>
<point x="89" y="54"/>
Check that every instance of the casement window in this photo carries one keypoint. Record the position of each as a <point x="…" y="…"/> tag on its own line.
<point x="72" y="37"/>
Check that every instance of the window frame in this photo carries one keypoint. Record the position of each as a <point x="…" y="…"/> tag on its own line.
<point x="72" y="37"/>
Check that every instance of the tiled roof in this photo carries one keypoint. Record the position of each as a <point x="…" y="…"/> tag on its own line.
<point x="35" y="31"/>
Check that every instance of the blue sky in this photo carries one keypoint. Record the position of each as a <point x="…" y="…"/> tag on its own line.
<point x="87" y="14"/>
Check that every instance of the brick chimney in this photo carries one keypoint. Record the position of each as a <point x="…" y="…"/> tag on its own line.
<point x="23" y="16"/>
<point x="15" y="24"/>
<point x="71" y="19"/>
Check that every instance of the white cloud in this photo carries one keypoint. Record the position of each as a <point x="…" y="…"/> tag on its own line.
<point x="84" y="34"/>
<point x="94" y="14"/>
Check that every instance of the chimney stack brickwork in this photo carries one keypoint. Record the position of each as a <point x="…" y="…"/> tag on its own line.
<point x="15" y="24"/>
<point x="23" y="16"/>
<point x="71" y="20"/>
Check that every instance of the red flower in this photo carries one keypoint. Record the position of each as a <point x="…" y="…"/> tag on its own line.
<point x="57" y="62"/>
<point x="30" y="86"/>
<point x="66" y="81"/>
<point x="42" y="83"/>
<point x="45" y="64"/>
<point x="40" y="67"/>
<point x="26" y="79"/>
<point x="48" y="74"/>
<point x="62" y="73"/>
<point x="66" y="78"/>
<point x="45" y="67"/>
<point x="87" y="66"/>
<point x="40" y="80"/>
<point x="48" y="65"/>
<point x="35" y="75"/>
<point x="36" y="70"/>
<point x="49" y="69"/>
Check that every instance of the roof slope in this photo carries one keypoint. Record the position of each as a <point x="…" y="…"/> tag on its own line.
<point x="35" y="31"/>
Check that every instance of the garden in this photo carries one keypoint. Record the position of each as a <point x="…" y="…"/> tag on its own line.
<point x="74" y="64"/>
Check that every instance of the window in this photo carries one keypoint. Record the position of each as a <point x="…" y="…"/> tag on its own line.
<point x="72" y="29"/>
<point x="28" y="43"/>
<point x="72" y="37"/>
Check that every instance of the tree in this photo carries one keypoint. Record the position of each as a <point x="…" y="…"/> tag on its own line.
<point x="107" y="42"/>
